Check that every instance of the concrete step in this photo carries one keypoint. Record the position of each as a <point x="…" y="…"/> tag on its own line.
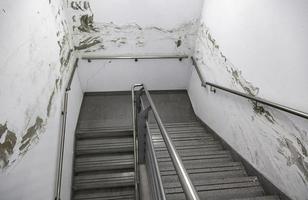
<point x="104" y="162"/>
<point x="104" y="145"/>
<point x="103" y="179"/>
<point x="124" y="193"/>
<point x="224" y="194"/>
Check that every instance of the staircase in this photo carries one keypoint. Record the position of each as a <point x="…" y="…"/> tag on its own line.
<point x="212" y="169"/>
<point x="104" y="157"/>
<point x="104" y="164"/>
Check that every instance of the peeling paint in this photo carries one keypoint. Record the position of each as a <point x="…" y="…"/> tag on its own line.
<point x="297" y="159"/>
<point x="86" y="24"/>
<point x="7" y="147"/>
<point x="89" y="42"/>
<point x="31" y="135"/>
<point x="50" y="102"/>
<point x="127" y="37"/>
<point x="260" y="130"/>
<point x="237" y="76"/>
<point x="178" y="43"/>
<point x="3" y="128"/>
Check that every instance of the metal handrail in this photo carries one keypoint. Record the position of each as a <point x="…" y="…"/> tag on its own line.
<point x="136" y="164"/>
<point x="59" y="169"/>
<point x="188" y="187"/>
<point x="136" y="58"/>
<point x="256" y="99"/>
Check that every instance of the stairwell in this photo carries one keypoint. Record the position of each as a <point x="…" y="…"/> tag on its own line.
<point x="104" y="160"/>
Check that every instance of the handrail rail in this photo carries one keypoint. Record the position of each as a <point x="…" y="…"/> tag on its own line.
<point x="136" y="164"/>
<point x="188" y="187"/>
<point x="62" y="136"/>
<point x="136" y="58"/>
<point x="256" y="99"/>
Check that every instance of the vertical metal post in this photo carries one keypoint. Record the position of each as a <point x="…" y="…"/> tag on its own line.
<point x="62" y="141"/>
<point x="142" y="131"/>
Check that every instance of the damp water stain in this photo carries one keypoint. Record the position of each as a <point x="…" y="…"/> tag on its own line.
<point x="31" y="134"/>
<point x="7" y="147"/>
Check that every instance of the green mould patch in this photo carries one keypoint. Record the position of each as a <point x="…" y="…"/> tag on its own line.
<point x="304" y="150"/>
<point x="252" y="91"/>
<point x="85" y="5"/>
<point x="297" y="159"/>
<point x="32" y="134"/>
<point x="7" y="147"/>
<point x="3" y="128"/>
<point x="212" y="40"/>
<point x="87" y="43"/>
<point x="86" y="24"/>
<point x="50" y="102"/>
<point x="261" y="111"/>
<point x="178" y="43"/>
<point x="247" y="86"/>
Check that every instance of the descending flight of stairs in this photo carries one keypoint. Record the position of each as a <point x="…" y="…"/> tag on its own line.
<point x="211" y="168"/>
<point x="104" y="164"/>
<point x="104" y="160"/>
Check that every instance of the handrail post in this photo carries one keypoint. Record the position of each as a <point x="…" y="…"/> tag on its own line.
<point x="62" y="139"/>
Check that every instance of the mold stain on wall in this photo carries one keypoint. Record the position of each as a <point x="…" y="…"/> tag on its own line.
<point x="7" y="144"/>
<point x="287" y="139"/>
<point x="108" y="37"/>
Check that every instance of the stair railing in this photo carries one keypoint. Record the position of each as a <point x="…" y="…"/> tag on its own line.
<point x="59" y="168"/>
<point x="140" y="116"/>
<point x="204" y="83"/>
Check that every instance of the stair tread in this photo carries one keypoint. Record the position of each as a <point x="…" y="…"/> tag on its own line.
<point x="112" y="193"/>
<point x="104" y="162"/>
<point x="103" y="180"/>
<point x="224" y="182"/>
<point x="224" y="194"/>
<point x="105" y="145"/>
<point x="104" y="134"/>
<point x="269" y="197"/>
<point x="195" y="152"/>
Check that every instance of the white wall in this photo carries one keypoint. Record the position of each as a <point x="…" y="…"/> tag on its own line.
<point x="120" y="75"/>
<point x="257" y="47"/>
<point x="134" y="26"/>
<point x="36" y="57"/>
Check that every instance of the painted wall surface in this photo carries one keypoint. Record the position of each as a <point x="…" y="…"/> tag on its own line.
<point x="120" y="75"/>
<point x="36" y="56"/>
<point x="257" y="47"/>
<point x="134" y="26"/>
